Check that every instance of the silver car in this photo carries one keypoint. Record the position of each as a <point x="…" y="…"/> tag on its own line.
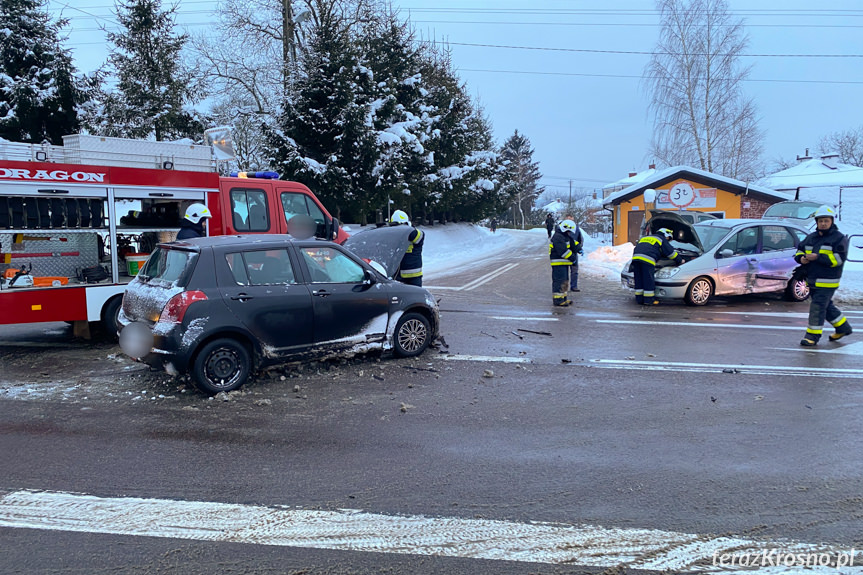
<point x="727" y="257"/>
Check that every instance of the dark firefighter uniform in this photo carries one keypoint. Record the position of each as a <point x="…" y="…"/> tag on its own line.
<point x="411" y="268"/>
<point x="648" y="251"/>
<point x="562" y="253"/>
<point x="822" y="275"/>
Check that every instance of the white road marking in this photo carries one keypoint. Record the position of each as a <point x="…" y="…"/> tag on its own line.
<point x="803" y="315"/>
<point x="361" y="531"/>
<point x="499" y="358"/>
<point x="847" y="349"/>
<point x="697" y="324"/>
<point x="524" y="318"/>
<point x="478" y="281"/>
<point x="719" y="367"/>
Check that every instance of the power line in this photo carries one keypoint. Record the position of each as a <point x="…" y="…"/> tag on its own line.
<point x="623" y="25"/>
<point x="643" y="77"/>
<point x="642" y="53"/>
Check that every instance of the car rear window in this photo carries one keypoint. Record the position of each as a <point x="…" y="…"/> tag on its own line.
<point x="799" y="210"/>
<point x="169" y="266"/>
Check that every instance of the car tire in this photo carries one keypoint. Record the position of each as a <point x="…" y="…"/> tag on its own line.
<point x="699" y="291"/>
<point x="797" y="290"/>
<point x="110" y="317"/>
<point x="412" y="335"/>
<point x="221" y="365"/>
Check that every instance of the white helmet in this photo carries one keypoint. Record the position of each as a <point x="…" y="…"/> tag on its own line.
<point x="825" y="212"/>
<point x="195" y="212"/>
<point x="399" y="217"/>
<point x="666" y="232"/>
<point x="567" y="225"/>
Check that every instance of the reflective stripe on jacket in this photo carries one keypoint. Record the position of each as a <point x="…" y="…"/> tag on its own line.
<point x="412" y="261"/>
<point x="832" y="250"/>
<point x="651" y="249"/>
<point x="560" y="249"/>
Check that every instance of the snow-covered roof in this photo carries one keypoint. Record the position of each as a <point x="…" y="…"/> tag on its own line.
<point x="555" y="206"/>
<point x="670" y="174"/>
<point x="815" y="173"/>
<point x="629" y="180"/>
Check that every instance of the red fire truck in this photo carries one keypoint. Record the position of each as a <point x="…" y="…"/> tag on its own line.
<point x="77" y="221"/>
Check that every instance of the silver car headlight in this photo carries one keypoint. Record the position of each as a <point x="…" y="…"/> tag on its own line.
<point x="668" y="272"/>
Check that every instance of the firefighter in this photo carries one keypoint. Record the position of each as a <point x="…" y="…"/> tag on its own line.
<point x="192" y="225"/>
<point x="647" y="252"/>
<point x="578" y="248"/>
<point x="562" y="253"/>
<point x="822" y="255"/>
<point x="411" y="268"/>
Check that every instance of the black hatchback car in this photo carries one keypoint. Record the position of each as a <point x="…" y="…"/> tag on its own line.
<point x="221" y="307"/>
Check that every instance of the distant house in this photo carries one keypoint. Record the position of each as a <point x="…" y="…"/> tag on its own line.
<point x="685" y="188"/>
<point x="556" y="207"/>
<point x="632" y="178"/>
<point x="823" y="180"/>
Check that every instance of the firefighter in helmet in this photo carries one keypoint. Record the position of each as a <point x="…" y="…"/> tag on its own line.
<point x="411" y="268"/>
<point x="822" y="255"/>
<point x="561" y="252"/>
<point x="649" y="250"/>
<point x="192" y="225"/>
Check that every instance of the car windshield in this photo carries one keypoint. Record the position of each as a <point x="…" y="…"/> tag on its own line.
<point x="799" y="210"/>
<point x="709" y="235"/>
<point x="168" y="266"/>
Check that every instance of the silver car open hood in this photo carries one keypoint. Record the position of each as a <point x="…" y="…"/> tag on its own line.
<point x="684" y="232"/>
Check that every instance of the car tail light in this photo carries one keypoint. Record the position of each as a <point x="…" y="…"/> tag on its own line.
<point x="176" y="307"/>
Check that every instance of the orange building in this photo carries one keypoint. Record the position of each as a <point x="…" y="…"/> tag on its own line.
<point x="685" y="188"/>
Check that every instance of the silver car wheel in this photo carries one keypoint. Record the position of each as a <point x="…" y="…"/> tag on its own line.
<point x="700" y="291"/>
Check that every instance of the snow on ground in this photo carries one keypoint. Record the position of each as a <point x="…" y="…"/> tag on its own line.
<point x="452" y="247"/>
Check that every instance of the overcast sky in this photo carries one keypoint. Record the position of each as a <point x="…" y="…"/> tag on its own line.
<point x="558" y="72"/>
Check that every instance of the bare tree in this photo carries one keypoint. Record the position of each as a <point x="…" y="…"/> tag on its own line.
<point x="848" y="144"/>
<point x="701" y="116"/>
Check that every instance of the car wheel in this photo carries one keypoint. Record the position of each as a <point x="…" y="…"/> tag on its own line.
<point x="412" y="335"/>
<point x="111" y="317"/>
<point x="221" y="365"/>
<point x="797" y="290"/>
<point x="699" y="291"/>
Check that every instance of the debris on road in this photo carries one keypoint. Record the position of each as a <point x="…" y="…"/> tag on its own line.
<point x="518" y="335"/>
<point x="565" y="361"/>
<point x="536" y="332"/>
<point x="405" y="407"/>
<point x="488" y="334"/>
<point x="488" y="373"/>
<point x="730" y="370"/>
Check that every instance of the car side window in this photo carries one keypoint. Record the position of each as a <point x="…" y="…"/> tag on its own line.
<point x="329" y="265"/>
<point x="744" y="242"/>
<point x="269" y="267"/>
<point x="249" y="210"/>
<point x="238" y="268"/>
<point x="776" y="238"/>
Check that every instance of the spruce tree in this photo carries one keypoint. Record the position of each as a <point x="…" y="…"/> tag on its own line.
<point x="37" y="84"/>
<point x="153" y="85"/>
<point x="519" y="176"/>
<point x="322" y="138"/>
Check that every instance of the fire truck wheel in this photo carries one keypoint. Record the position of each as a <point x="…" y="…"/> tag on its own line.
<point x="111" y="317"/>
<point x="221" y="365"/>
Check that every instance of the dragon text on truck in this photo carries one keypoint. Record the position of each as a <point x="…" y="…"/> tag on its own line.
<point x="77" y="221"/>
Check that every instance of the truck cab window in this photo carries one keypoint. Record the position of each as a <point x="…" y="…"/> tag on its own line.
<point x="249" y="210"/>
<point x="295" y="203"/>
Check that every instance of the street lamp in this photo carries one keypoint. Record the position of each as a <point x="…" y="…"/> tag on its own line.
<point x="649" y="202"/>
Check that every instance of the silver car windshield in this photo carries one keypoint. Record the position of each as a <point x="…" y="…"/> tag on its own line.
<point x="798" y="210"/>
<point x="710" y="235"/>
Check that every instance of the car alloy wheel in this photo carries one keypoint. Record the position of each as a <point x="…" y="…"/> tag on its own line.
<point x="798" y="290"/>
<point x="222" y="365"/>
<point x="699" y="292"/>
<point x="412" y="335"/>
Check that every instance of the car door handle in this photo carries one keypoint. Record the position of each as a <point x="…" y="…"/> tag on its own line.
<point x="241" y="297"/>
<point x="753" y="260"/>
<point x="321" y="292"/>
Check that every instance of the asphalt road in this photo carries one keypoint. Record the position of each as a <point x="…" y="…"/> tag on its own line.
<point x="667" y="420"/>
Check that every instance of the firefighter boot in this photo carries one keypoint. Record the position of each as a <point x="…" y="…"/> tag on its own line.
<point x="809" y="341"/>
<point x="841" y="331"/>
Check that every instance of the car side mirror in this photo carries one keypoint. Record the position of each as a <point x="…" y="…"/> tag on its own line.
<point x="334" y="234"/>
<point x="369" y="278"/>
<point x="726" y="253"/>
